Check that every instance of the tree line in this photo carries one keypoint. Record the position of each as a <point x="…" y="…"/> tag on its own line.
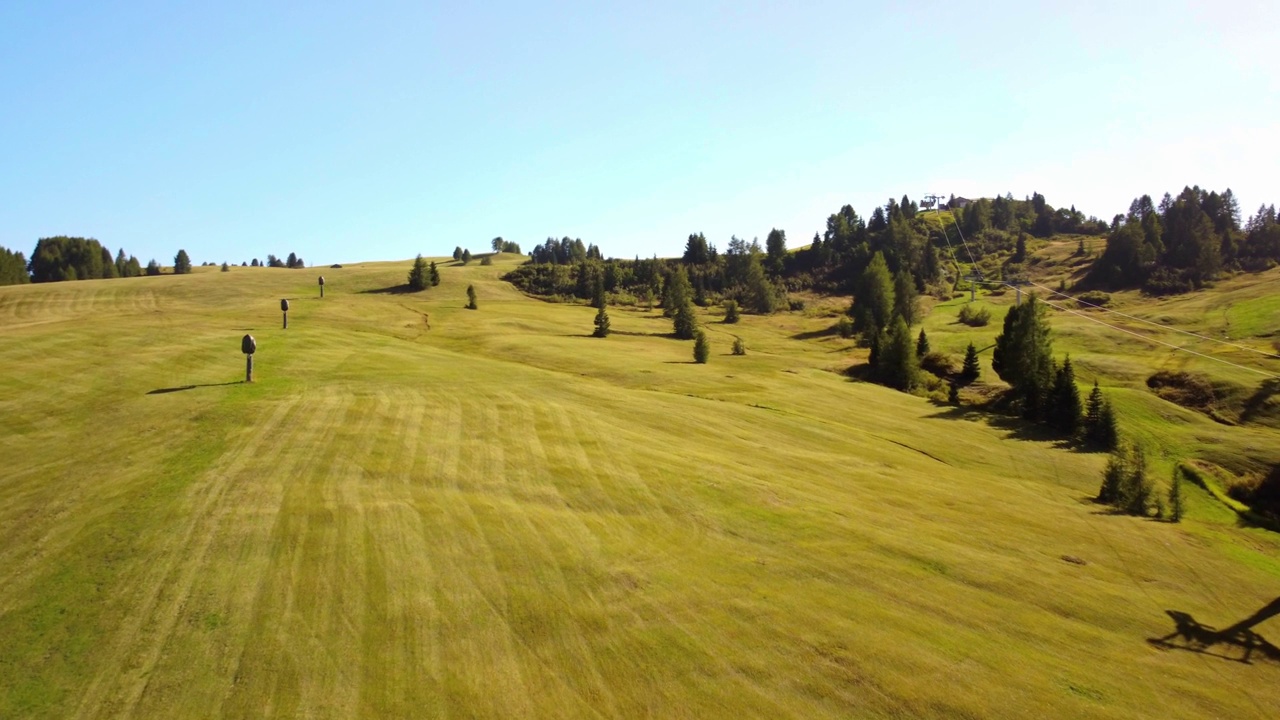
<point x="61" y="258"/>
<point x="1184" y="242"/>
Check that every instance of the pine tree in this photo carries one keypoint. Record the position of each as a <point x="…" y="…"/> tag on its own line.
<point x="905" y="303"/>
<point x="684" y="321"/>
<point x="1093" y="412"/>
<point x="1177" y="505"/>
<point x="971" y="369"/>
<point x="897" y="365"/>
<point x="471" y="298"/>
<point x="153" y="267"/>
<point x="466" y="257"/>
<point x="1136" y="490"/>
<point x="1023" y="356"/>
<point x="701" y="348"/>
<point x="418" y="275"/>
<point x="1108" y="435"/>
<point x="597" y="293"/>
<point x="181" y="263"/>
<point x="457" y="253"/>
<point x="731" y="311"/>
<point x="433" y="274"/>
<point x="874" y="298"/>
<point x="1064" y="408"/>
<point x="601" y="323"/>
<point x="922" y="344"/>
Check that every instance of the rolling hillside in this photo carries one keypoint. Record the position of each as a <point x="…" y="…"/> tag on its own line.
<point x="419" y="510"/>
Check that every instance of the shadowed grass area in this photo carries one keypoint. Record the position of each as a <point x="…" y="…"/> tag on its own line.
<point x="494" y="515"/>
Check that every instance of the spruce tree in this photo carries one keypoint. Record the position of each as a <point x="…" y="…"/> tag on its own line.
<point x="418" y="275"/>
<point x="684" y="321"/>
<point x="922" y="344"/>
<point x="1064" y="410"/>
<point x="953" y="394"/>
<point x="731" y="311"/>
<point x="181" y="263"/>
<point x="1023" y="355"/>
<point x="466" y="256"/>
<point x="433" y="274"/>
<point x="602" y="323"/>
<point x="898" y="366"/>
<point x="971" y="369"/>
<point x="1108" y="434"/>
<point x="701" y="348"/>
<point x="457" y="253"/>
<point x="597" y="293"/>
<point x="676" y="292"/>
<point x="905" y="303"/>
<point x="471" y="298"/>
<point x="874" y="298"/>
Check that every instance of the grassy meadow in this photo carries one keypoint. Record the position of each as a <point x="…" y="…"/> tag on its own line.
<point x="418" y="510"/>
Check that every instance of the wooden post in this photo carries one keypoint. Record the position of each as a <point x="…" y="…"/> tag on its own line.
<point x="284" y="309"/>
<point x="321" y="286"/>
<point x="248" y="368"/>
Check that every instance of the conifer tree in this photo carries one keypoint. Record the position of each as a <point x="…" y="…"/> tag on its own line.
<point x="418" y="275"/>
<point x="731" y="311"/>
<point x="466" y="256"/>
<point x="953" y="394"/>
<point x="684" y="321"/>
<point x="457" y="253"/>
<point x="1108" y="433"/>
<point x="905" y="303"/>
<point x="922" y="344"/>
<point x="739" y="347"/>
<point x="601" y="323"/>
<point x="676" y="292"/>
<point x="471" y="298"/>
<point x="874" y="298"/>
<point x="181" y="263"/>
<point x="1023" y="355"/>
<point x="701" y="348"/>
<point x="971" y="369"/>
<point x="897" y="364"/>
<point x="433" y="274"/>
<point x="597" y="293"/>
<point x="1064" y="409"/>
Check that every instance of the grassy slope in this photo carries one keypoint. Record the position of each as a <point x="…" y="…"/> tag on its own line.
<point x="503" y="517"/>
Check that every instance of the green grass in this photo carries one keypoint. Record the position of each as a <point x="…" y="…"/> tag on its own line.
<point x="504" y="517"/>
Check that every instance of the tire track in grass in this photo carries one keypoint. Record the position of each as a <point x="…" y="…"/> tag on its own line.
<point x="575" y="670"/>
<point x="481" y="670"/>
<point x="126" y="660"/>
<point x="402" y="672"/>
<point x="281" y="654"/>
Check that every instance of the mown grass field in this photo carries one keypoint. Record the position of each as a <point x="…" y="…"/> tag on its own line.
<point x="500" y="516"/>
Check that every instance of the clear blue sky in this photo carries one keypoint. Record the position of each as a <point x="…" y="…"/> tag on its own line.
<point x="374" y="130"/>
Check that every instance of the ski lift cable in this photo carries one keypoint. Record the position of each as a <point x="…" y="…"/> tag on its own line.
<point x="1161" y="342"/>
<point x="1152" y="322"/>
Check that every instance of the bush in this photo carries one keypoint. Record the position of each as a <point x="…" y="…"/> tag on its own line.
<point x="975" y="316"/>
<point x="796" y="304"/>
<point x="471" y="298"/>
<point x="938" y="363"/>
<point x="486" y="260"/>
<point x="1094" y="297"/>
<point x="844" y="326"/>
<point x="739" y="347"/>
<point x="701" y="348"/>
<point x="731" y="311"/>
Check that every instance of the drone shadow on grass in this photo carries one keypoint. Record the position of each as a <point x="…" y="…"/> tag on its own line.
<point x="180" y="388"/>
<point x="1189" y="634"/>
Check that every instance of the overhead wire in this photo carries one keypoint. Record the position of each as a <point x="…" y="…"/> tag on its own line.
<point x="1152" y="322"/>
<point x="1178" y="347"/>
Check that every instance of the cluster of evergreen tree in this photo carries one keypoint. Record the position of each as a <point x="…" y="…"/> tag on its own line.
<point x="423" y="275"/>
<point x="293" y="262"/>
<point x="506" y="246"/>
<point x="75" y="258"/>
<point x="1184" y="242"/>
<point x="563" y="252"/>
<point x="1045" y="391"/>
<point x="13" y="268"/>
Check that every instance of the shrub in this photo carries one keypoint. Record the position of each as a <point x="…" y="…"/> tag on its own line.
<point x="796" y="304"/>
<point x="731" y="311"/>
<point x="938" y="363"/>
<point x="701" y="348"/>
<point x="1094" y="297"/>
<point x="486" y="260"/>
<point x="226" y="267"/>
<point x="739" y="347"/>
<point x="844" y="326"/>
<point x="975" y="316"/>
<point x="471" y="298"/>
